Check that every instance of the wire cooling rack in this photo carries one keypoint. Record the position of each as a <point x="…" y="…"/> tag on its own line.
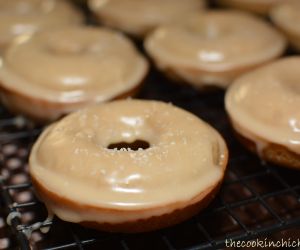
<point x="256" y="200"/>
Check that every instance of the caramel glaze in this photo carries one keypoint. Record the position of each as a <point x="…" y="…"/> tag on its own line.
<point x="68" y="69"/>
<point x="214" y="48"/>
<point x="263" y="108"/>
<point x="139" y="17"/>
<point x="272" y="152"/>
<point x="19" y="17"/>
<point x="229" y="76"/>
<point x="286" y="16"/>
<point x="121" y="187"/>
<point x="42" y="111"/>
<point x="187" y="210"/>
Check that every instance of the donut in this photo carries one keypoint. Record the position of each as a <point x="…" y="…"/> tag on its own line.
<point x="19" y="17"/>
<point x="256" y="6"/>
<point x="54" y="72"/>
<point x="286" y="17"/>
<point x="138" y="17"/>
<point x="263" y="107"/>
<point x="128" y="166"/>
<point x="213" y="48"/>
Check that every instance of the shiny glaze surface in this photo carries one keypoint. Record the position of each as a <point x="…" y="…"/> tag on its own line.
<point x="139" y="16"/>
<point x="186" y="156"/>
<point x="215" y="41"/>
<point x="264" y="104"/>
<point x="287" y="15"/>
<point x="19" y="17"/>
<point x="72" y="65"/>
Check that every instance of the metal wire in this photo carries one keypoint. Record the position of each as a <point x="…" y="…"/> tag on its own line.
<point x="244" y="209"/>
<point x="243" y="169"/>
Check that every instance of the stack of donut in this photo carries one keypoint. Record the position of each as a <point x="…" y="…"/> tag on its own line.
<point x="124" y="159"/>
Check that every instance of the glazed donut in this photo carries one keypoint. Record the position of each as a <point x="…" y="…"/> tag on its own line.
<point x="57" y="71"/>
<point x="256" y="6"/>
<point x="138" y="17"/>
<point x="18" y="17"/>
<point x="286" y="16"/>
<point x="264" y="110"/>
<point x="123" y="163"/>
<point x="213" y="48"/>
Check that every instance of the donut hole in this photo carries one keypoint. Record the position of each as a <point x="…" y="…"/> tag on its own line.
<point x="135" y="145"/>
<point x="208" y="30"/>
<point x="65" y="48"/>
